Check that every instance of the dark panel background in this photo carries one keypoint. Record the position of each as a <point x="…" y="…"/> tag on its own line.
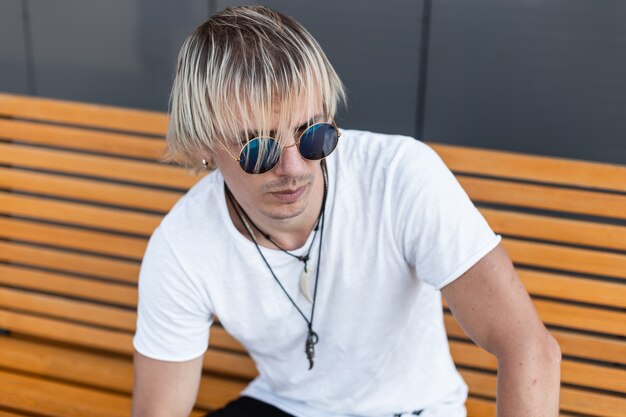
<point x="13" y="65"/>
<point x="117" y="52"/>
<point x="374" y="50"/>
<point x="538" y="77"/>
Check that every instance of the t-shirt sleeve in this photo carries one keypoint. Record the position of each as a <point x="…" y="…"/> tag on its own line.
<point x="438" y="228"/>
<point x="173" y="320"/>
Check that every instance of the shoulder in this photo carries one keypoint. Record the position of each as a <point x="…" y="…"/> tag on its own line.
<point x="195" y="211"/>
<point x="384" y="153"/>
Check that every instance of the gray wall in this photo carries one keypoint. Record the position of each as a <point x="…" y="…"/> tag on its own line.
<point x="537" y="77"/>
<point x="116" y="52"/>
<point x="548" y="77"/>
<point x="13" y="63"/>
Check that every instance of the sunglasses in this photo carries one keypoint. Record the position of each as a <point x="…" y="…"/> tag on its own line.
<point x="261" y="154"/>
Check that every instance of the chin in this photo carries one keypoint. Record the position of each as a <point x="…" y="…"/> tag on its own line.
<point x="285" y="211"/>
<point x="282" y="211"/>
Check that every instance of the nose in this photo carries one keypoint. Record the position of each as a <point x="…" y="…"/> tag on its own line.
<point x="291" y="163"/>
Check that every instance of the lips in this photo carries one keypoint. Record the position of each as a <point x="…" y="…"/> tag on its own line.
<point x="290" y="195"/>
<point x="289" y="191"/>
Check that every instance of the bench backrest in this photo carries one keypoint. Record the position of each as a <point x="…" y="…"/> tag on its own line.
<point x="81" y="191"/>
<point x="564" y="226"/>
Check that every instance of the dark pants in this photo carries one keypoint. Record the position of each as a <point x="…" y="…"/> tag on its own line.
<point x="248" y="407"/>
<point x="251" y="407"/>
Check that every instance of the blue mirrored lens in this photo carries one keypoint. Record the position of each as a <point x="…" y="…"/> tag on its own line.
<point x="318" y="141"/>
<point x="259" y="155"/>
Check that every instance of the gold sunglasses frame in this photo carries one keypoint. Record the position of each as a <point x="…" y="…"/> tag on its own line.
<point x="333" y="123"/>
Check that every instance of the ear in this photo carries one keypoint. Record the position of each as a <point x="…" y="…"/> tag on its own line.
<point x="208" y="161"/>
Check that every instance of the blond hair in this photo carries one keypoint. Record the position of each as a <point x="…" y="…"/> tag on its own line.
<point x="233" y="71"/>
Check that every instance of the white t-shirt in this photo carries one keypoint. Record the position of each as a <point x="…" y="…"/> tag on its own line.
<point x="398" y="228"/>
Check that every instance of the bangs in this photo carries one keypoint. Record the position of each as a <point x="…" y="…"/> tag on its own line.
<point x="241" y="71"/>
<point x="273" y="83"/>
<point x="254" y="114"/>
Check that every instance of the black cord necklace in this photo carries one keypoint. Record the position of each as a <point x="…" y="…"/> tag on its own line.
<point x="304" y="278"/>
<point x="312" y="337"/>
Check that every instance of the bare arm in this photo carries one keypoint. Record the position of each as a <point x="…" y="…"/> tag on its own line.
<point x="163" y="388"/>
<point x="492" y="306"/>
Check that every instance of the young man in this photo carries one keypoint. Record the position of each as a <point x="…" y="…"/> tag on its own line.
<point x="324" y="251"/>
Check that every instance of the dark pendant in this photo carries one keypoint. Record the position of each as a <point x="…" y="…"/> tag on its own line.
<point x="311" y="340"/>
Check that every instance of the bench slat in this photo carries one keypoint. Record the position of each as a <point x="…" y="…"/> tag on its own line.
<point x="212" y="394"/>
<point x="584" y="318"/>
<point x="221" y="339"/>
<point x="595" y="376"/>
<point x="251" y="370"/>
<point x="479" y="161"/>
<point x="51" y="398"/>
<point x="479" y="407"/>
<point x="97" y="166"/>
<point x="104" y="372"/>
<point x="63" y="308"/>
<point x="492" y="191"/>
<point x="111" y="293"/>
<point x="96" y="266"/>
<point x="218" y="361"/>
<point x="574" y="400"/>
<point x="591" y="347"/>
<point x="60" y="284"/>
<point x="571" y="288"/>
<point x="537" y="283"/>
<point x="116" y="245"/>
<point x="540" y="283"/>
<point x="551" y="312"/>
<point x="66" y="332"/>
<point x="4" y="413"/>
<point x="555" y="170"/>
<point x="571" y="399"/>
<point x="592" y="203"/>
<point x="100" y="243"/>
<point x="614" y="264"/>
<point x="572" y="344"/>
<point x="81" y="139"/>
<point x="88" y="190"/>
<point x="527" y="253"/>
<point x="83" y="114"/>
<point x="572" y="372"/>
<point x="122" y="195"/>
<point x="521" y="252"/>
<point x="91" y="314"/>
<point x="600" y="346"/>
<point x="556" y="229"/>
<point x="579" y="317"/>
<point x="78" y="214"/>
<point x="548" y="255"/>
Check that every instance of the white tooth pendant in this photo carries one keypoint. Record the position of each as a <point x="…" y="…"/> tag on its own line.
<point x="305" y="279"/>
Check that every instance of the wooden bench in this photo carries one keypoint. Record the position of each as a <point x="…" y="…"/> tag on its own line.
<point x="81" y="191"/>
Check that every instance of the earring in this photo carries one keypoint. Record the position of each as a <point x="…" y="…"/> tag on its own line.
<point x="205" y="163"/>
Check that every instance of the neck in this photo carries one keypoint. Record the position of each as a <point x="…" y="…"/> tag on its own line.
<point x="289" y="233"/>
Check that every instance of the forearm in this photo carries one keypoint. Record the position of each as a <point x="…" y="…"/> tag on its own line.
<point x="529" y="384"/>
